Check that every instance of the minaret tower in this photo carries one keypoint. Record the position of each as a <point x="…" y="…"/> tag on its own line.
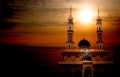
<point x="69" y="42"/>
<point x="99" y="31"/>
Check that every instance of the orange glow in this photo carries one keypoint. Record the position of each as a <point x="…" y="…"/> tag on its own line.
<point x="47" y="26"/>
<point x="86" y="15"/>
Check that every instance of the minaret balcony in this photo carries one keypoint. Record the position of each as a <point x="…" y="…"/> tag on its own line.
<point x="69" y="30"/>
<point x="99" y="31"/>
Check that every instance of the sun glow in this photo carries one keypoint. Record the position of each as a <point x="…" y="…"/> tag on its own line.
<point x="85" y="16"/>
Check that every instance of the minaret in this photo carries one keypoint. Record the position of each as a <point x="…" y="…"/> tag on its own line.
<point x="69" y="42"/>
<point x="99" y="42"/>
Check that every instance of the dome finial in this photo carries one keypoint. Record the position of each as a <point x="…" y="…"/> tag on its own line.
<point x="83" y="35"/>
<point x="98" y="11"/>
<point x="71" y="10"/>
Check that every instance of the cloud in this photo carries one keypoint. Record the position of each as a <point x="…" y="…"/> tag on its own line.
<point x="28" y="19"/>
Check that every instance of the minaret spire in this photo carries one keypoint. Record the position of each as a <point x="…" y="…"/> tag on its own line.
<point x="69" y="42"/>
<point x="98" y="11"/>
<point x="71" y="11"/>
<point x="99" y="32"/>
<point x="70" y="17"/>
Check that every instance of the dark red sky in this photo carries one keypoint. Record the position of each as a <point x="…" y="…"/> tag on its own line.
<point x="44" y="22"/>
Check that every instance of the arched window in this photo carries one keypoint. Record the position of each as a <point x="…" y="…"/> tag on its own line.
<point x="68" y="46"/>
<point x="87" y="72"/>
<point x="100" y="47"/>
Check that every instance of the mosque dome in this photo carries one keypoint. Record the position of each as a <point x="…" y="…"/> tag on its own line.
<point x="83" y="43"/>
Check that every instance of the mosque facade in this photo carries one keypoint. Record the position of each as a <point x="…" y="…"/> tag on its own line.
<point x="84" y="61"/>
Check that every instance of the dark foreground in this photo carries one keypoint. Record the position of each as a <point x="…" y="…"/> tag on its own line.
<point x="30" y="61"/>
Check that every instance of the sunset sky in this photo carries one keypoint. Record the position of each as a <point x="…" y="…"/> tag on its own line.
<point x="44" y="22"/>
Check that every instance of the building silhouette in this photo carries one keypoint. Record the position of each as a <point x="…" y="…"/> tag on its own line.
<point x="85" y="61"/>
